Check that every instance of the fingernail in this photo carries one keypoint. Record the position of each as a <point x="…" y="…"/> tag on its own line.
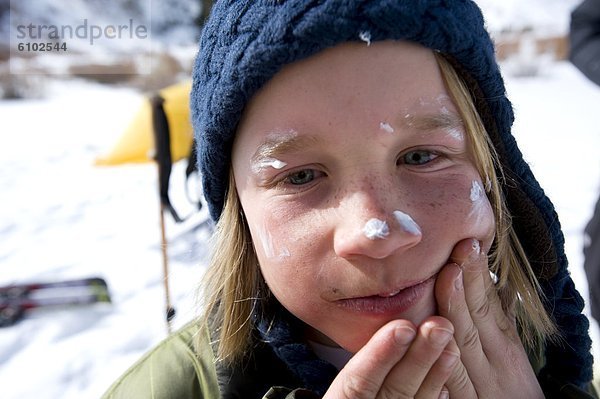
<point x="444" y="395"/>
<point x="440" y="336"/>
<point x="404" y="335"/>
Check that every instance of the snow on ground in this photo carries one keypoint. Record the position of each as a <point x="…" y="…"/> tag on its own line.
<point x="546" y="16"/>
<point x="63" y="218"/>
<point x="557" y="130"/>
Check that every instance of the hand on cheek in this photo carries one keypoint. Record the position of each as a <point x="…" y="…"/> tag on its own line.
<point x="493" y="360"/>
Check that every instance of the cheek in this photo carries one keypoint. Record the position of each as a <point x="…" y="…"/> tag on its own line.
<point x="268" y="242"/>
<point x="280" y="233"/>
<point x="480" y="216"/>
<point x="455" y="209"/>
<point x="286" y="245"/>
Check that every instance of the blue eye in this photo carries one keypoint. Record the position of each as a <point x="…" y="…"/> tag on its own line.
<point x="418" y="157"/>
<point x="301" y="177"/>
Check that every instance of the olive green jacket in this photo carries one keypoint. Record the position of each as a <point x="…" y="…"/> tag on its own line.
<point x="184" y="366"/>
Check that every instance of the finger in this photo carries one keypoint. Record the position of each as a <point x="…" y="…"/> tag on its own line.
<point x="364" y="374"/>
<point x="469" y="256"/>
<point x="479" y="291"/>
<point x="406" y="378"/>
<point x="487" y="339"/>
<point x="459" y="384"/>
<point x="452" y="304"/>
<point x="434" y="385"/>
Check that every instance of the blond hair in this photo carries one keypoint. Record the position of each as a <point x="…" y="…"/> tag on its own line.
<point x="234" y="288"/>
<point x="517" y="285"/>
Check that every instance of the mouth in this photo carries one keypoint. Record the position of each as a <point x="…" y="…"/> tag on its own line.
<point x="391" y="303"/>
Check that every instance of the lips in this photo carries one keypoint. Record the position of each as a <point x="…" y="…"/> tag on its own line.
<point x="388" y="303"/>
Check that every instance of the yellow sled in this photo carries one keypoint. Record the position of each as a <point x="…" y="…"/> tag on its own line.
<point x="137" y="142"/>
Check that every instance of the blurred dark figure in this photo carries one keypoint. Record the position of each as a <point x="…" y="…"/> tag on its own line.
<point x="585" y="39"/>
<point x="585" y="54"/>
<point x="206" y="7"/>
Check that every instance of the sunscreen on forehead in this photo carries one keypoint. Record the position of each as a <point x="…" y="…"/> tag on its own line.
<point x="268" y="163"/>
<point x="442" y="98"/>
<point x="456" y="134"/>
<point x="386" y="127"/>
<point x="365" y="36"/>
<point x="375" y="228"/>
<point x="407" y="223"/>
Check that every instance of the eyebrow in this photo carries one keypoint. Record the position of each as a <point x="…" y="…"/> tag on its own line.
<point x="277" y="145"/>
<point x="429" y="122"/>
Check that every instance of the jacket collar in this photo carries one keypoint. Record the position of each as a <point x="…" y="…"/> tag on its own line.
<point x="279" y="357"/>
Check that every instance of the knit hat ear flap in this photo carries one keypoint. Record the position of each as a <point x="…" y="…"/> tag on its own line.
<point x="569" y="359"/>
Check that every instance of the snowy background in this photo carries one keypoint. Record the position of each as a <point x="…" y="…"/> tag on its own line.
<point x="61" y="217"/>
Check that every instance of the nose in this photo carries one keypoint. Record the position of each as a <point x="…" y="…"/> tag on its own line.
<point x="368" y="229"/>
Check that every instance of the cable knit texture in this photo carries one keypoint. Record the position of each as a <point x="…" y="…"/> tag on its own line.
<point x="246" y="42"/>
<point x="283" y="332"/>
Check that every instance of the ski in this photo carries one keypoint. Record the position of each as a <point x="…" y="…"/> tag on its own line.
<point x="17" y="299"/>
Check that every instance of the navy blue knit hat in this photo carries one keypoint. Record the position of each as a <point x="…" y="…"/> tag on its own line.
<point x="246" y="42"/>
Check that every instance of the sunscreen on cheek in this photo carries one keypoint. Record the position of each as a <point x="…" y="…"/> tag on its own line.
<point x="476" y="191"/>
<point x="478" y="203"/>
<point x="266" y="239"/>
<point x="269" y="248"/>
<point x="407" y="223"/>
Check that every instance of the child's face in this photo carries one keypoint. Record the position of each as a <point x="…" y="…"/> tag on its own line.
<point x="356" y="181"/>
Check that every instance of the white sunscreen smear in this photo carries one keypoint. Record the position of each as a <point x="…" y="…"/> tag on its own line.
<point x="268" y="163"/>
<point x="407" y="223"/>
<point x="266" y="240"/>
<point x="365" y="36"/>
<point x="271" y="251"/>
<point x="375" y="228"/>
<point x="386" y="126"/>
<point x="476" y="191"/>
<point x="285" y="253"/>
<point x="477" y="196"/>
<point x="456" y="133"/>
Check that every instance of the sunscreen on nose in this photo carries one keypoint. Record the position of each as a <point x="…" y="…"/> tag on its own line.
<point x="375" y="228"/>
